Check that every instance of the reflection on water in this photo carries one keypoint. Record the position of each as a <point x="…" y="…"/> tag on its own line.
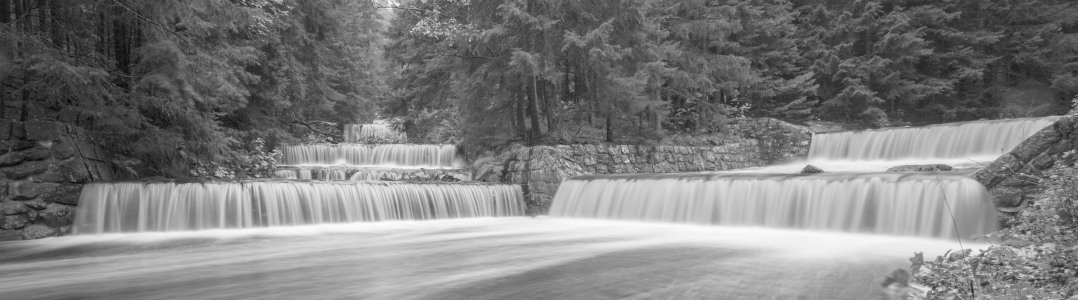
<point x="504" y="258"/>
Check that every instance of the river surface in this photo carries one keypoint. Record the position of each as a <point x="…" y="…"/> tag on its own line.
<point x="483" y="258"/>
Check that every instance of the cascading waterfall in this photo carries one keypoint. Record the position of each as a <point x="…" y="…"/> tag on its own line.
<point x="889" y="203"/>
<point x="978" y="139"/>
<point x="396" y="155"/>
<point x="363" y="133"/>
<point x="168" y="206"/>
<point x="334" y="173"/>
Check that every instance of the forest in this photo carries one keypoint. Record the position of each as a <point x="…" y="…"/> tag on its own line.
<point x="195" y="87"/>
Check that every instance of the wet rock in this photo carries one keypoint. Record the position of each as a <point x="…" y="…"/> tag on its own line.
<point x="41" y="152"/>
<point x="37" y="204"/>
<point x="11" y="159"/>
<point x="810" y="169"/>
<point x="920" y="168"/>
<point x="65" y="193"/>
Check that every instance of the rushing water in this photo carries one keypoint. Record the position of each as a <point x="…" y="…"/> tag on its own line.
<point x="391" y="155"/>
<point x="357" y="133"/>
<point x="965" y="140"/>
<point x="166" y="206"/>
<point x="337" y="173"/>
<point x="926" y="205"/>
<point x="485" y="258"/>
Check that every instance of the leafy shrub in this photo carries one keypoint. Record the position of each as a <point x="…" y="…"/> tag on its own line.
<point x="1037" y="260"/>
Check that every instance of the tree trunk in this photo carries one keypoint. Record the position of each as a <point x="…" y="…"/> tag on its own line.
<point x="43" y="16"/>
<point x="533" y="105"/>
<point x="122" y="45"/>
<point x="519" y="117"/>
<point x="17" y="14"/>
<point x="5" y="11"/>
<point x="57" y="33"/>
<point x="551" y="108"/>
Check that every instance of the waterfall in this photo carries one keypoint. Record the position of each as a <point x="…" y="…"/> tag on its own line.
<point x="332" y="173"/>
<point x="372" y="133"/>
<point x="395" y="155"/>
<point x="168" y="206"/>
<point x="890" y="203"/>
<point x="981" y="139"/>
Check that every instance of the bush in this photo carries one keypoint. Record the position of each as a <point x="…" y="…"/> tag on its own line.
<point x="1037" y="260"/>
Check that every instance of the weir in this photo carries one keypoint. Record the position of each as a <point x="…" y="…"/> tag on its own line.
<point x="168" y="206"/>
<point x="335" y="173"/>
<point x="977" y="139"/>
<point x="389" y="155"/>
<point x="888" y="203"/>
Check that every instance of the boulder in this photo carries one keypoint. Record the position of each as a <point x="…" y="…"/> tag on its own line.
<point x="810" y="169"/>
<point x="65" y="193"/>
<point x="57" y="215"/>
<point x="26" y="169"/>
<point x="920" y="168"/>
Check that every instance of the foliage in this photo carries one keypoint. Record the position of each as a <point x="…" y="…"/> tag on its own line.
<point x="183" y="87"/>
<point x="1038" y="260"/>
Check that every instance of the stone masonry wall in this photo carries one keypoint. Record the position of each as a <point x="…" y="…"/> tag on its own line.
<point x="43" y="165"/>
<point x="750" y="143"/>
<point x="1012" y="178"/>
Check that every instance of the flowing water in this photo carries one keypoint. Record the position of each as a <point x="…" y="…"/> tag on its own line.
<point x="167" y="206"/>
<point x="484" y="258"/>
<point x="888" y="203"/>
<point x="390" y="155"/>
<point x="725" y="235"/>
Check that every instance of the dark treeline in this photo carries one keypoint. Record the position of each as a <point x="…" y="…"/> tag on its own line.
<point x="537" y="70"/>
<point x="183" y="88"/>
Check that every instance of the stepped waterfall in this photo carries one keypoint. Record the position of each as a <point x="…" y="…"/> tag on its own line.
<point x="330" y="227"/>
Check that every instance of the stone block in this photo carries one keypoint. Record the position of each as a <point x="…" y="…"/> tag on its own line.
<point x="10" y="235"/>
<point x="5" y="129"/>
<point x="44" y="130"/>
<point x="40" y="152"/>
<point x="38" y="231"/>
<point x="57" y="215"/>
<point x="13" y="208"/>
<point x="26" y="169"/>
<point x="13" y="222"/>
<point x="11" y="159"/>
<point x="1043" y="162"/>
<point x="49" y="176"/>
<point x="37" y="204"/>
<point x="31" y="190"/>
<point x="64" y="148"/>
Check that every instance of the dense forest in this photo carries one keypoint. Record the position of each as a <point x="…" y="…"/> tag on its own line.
<point x="195" y="87"/>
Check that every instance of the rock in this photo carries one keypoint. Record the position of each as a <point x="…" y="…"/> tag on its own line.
<point x="37" y="204"/>
<point x="5" y="129"/>
<point x="10" y="235"/>
<point x="57" y="215"/>
<point x="38" y="231"/>
<point x="44" y="130"/>
<point x="12" y="208"/>
<point x="41" y="152"/>
<point x="26" y="169"/>
<point x="13" y="222"/>
<point x="920" y="168"/>
<point x="31" y="190"/>
<point x="810" y="169"/>
<point x="11" y="159"/>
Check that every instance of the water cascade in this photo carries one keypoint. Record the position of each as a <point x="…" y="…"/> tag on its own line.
<point x="395" y="155"/>
<point x="978" y="140"/>
<point x="167" y="206"/>
<point x="888" y="203"/>
<point x="336" y="173"/>
<point x="368" y="133"/>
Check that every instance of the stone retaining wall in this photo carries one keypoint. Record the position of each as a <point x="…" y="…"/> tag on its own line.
<point x="43" y="166"/>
